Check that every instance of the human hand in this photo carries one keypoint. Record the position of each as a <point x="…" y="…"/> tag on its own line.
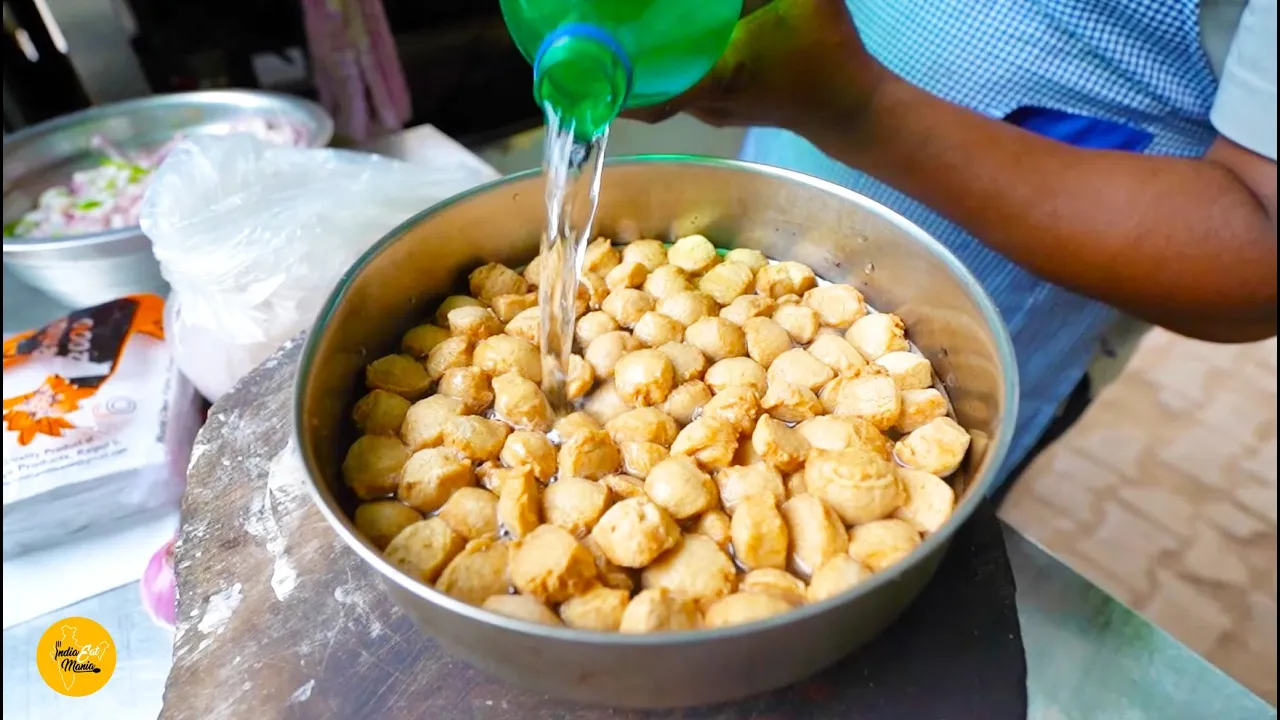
<point x="794" y="64"/>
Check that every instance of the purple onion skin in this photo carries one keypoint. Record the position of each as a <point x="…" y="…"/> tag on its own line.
<point x="159" y="587"/>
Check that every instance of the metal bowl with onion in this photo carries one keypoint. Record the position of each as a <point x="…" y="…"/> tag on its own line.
<point x="843" y="236"/>
<point x="84" y="270"/>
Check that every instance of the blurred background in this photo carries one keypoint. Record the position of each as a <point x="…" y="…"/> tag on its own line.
<point x="1164" y="495"/>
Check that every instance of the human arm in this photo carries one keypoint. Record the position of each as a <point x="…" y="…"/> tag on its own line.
<point x="1189" y="244"/>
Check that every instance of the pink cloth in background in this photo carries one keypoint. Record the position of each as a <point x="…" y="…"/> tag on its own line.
<point x="357" y="72"/>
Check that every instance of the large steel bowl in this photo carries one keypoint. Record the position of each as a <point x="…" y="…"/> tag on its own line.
<point x="844" y="236"/>
<point x="84" y="270"/>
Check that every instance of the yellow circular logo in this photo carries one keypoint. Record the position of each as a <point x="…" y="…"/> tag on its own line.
<point x="76" y="657"/>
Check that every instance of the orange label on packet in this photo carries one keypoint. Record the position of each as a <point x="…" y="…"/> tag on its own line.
<point x="82" y="350"/>
<point x="76" y="657"/>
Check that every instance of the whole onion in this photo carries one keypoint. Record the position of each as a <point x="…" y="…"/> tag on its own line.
<point x="159" y="587"/>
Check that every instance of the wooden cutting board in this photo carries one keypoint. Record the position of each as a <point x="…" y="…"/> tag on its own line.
<point x="278" y="619"/>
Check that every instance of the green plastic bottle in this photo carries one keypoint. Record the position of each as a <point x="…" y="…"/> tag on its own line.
<point x="592" y="59"/>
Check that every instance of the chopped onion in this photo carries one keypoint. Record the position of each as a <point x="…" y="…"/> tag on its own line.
<point x="159" y="587"/>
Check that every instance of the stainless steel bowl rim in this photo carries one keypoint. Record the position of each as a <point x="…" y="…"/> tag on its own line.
<point x="322" y="136"/>
<point x="334" y="514"/>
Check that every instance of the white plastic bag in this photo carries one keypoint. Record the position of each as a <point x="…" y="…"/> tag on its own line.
<point x="252" y="237"/>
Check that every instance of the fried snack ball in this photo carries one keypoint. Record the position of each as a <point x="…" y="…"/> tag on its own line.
<point x="686" y="400"/>
<point x="930" y="500"/>
<point x="688" y="361"/>
<point x="399" y="374"/>
<point x="746" y="454"/>
<point x="800" y="321"/>
<point x="798" y="367"/>
<point x="837" y="305"/>
<point x="380" y="413"/>
<point x="644" y="377"/>
<point x="878" y="334"/>
<point x="816" y="531"/>
<point x="419" y="340"/>
<point x="857" y="483"/>
<point x="469" y="386"/>
<point x="431" y="476"/>
<point x="507" y="307"/>
<point x="472" y="512"/>
<point x="479" y="439"/>
<point x="882" y="543"/>
<point x="753" y="259"/>
<point x="836" y="353"/>
<point x="657" y="610"/>
<point x="717" y="338"/>
<point x="520" y="402"/>
<point x="452" y="353"/>
<point x="766" y="340"/>
<point x="593" y="325"/>
<point x="791" y="403"/>
<point x="519" y="503"/>
<point x="605" y="351"/>
<point x="694" y="254"/>
<point x="591" y="293"/>
<point x="589" y="454"/>
<point x="599" y="608"/>
<point x="688" y="306"/>
<point x="627" y="274"/>
<point x="610" y="575"/>
<point x="532" y="450"/>
<point x="696" y="569"/>
<point x="936" y="447"/>
<point x="478" y="572"/>
<point x="726" y="281"/>
<point x="424" y="422"/>
<point x="550" y="565"/>
<point x="373" y="465"/>
<point x="666" y="281"/>
<point x="784" y="278"/>
<point x="737" y="405"/>
<point x="920" y="407"/>
<point x="423" y="549"/>
<point x="715" y="525"/>
<point x="740" y="482"/>
<point x="742" y="608"/>
<point x="652" y="254"/>
<point x="737" y="371"/>
<point x="473" y="323"/>
<point x="526" y="326"/>
<point x="775" y="583"/>
<point x="868" y="393"/>
<point x="639" y="458"/>
<point x="709" y="441"/>
<point x="574" y="504"/>
<point x="501" y="354"/>
<point x="601" y="256"/>
<point x="835" y="432"/>
<point x="746" y="307"/>
<point x="605" y="403"/>
<point x="623" y="485"/>
<point x="680" y="487"/>
<point x="839" y="574"/>
<point x="627" y="306"/>
<point x="908" y="370"/>
<point x="574" y="423"/>
<point x="643" y="425"/>
<point x="520" y="607"/>
<point x="532" y="273"/>
<point x="451" y="303"/>
<point x="654" y="329"/>
<point x="759" y="533"/>
<point x="789" y="299"/>
<point x="779" y="444"/>
<point x="381" y="520"/>
<point x="489" y="281"/>
<point x="635" y="531"/>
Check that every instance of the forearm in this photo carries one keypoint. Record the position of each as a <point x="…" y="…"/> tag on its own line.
<point x="1181" y="243"/>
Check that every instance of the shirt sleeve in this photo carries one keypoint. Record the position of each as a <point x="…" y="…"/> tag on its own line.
<point x="1244" y="110"/>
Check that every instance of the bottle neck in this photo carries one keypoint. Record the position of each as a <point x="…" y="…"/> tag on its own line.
<point x="584" y="75"/>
